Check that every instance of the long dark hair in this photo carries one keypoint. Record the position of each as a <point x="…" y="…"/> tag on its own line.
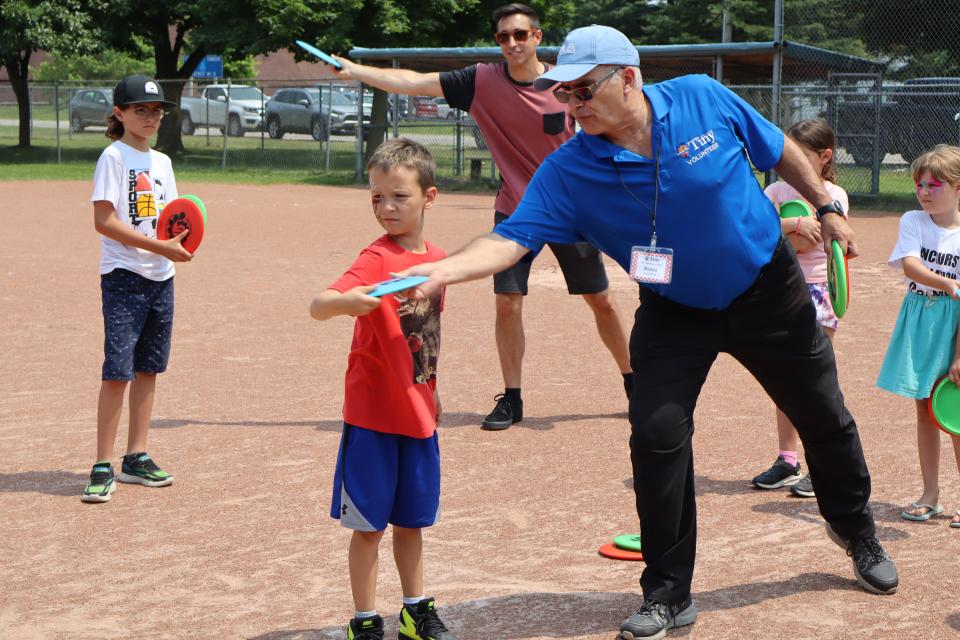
<point x="817" y="135"/>
<point x="114" y="126"/>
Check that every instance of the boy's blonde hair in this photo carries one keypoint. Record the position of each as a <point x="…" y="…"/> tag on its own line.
<point x="943" y="163"/>
<point x="404" y="152"/>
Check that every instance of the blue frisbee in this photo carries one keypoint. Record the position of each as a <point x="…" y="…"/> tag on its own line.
<point x="309" y="48"/>
<point x="394" y="285"/>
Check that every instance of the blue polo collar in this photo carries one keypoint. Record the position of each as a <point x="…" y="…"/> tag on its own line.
<point x="603" y="148"/>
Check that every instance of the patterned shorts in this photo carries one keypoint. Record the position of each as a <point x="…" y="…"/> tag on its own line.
<point x="821" y="301"/>
<point x="137" y="324"/>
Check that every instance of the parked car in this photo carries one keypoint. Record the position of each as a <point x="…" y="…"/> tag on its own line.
<point x="298" y="110"/>
<point x="209" y="109"/>
<point x="343" y="113"/>
<point x="913" y="117"/>
<point x="444" y="111"/>
<point x="90" y="107"/>
<point x="424" y="107"/>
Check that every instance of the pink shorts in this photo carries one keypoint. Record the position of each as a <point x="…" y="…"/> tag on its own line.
<point x="821" y="301"/>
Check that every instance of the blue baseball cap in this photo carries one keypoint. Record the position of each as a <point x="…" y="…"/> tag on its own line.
<point x="584" y="49"/>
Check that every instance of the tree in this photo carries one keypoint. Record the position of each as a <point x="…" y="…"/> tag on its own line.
<point x="917" y="37"/>
<point x="27" y="26"/>
<point x="195" y="28"/>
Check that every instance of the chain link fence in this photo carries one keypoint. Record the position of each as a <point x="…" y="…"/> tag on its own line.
<point x="885" y="119"/>
<point x="906" y="102"/>
<point x="269" y="126"/>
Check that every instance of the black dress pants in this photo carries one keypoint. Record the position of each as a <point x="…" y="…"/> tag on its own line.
<point x="771" y="329"/>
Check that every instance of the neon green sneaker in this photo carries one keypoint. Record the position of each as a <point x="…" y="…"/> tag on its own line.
<point x="141" y="469"/>
<point x="421" y="622"/>
<point x="101" y="483"/>
<point x="365" y="629"/>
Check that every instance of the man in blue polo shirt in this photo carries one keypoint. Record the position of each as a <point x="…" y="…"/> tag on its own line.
<point x="659" y="179"/>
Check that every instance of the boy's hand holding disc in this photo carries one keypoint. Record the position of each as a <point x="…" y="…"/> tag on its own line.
<point x="173" y="248"/>
<point x="359" y="302"/>
<point x="182" y="214"/>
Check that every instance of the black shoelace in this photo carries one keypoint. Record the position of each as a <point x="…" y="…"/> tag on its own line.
<point x="653" y="608"/>
<point x="430" y="622"/>
<point x="867" y="552"/>
<point x="147" y="463"/>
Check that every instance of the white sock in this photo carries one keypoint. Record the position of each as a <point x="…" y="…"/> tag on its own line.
<point x="413" y="601"/>
<point x="360" y="615"/>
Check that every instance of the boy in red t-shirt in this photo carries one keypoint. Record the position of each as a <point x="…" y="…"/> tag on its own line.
<point x="388" y="468"/>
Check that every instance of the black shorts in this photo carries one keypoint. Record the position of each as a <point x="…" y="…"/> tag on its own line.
<point x="581" y="264"/>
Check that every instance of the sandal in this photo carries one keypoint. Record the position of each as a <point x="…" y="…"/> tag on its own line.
<point x="955" y="523"/>
<point x="931" y="511"/>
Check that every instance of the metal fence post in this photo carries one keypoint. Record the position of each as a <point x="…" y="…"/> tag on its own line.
<point x="396" y="106"/>
<point x="358" y="174"/>
<point x="56" y="111"/>
<point x="226" y="126"/>
<point x="329" y="121"/>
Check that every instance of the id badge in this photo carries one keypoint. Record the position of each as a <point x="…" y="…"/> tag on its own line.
<point x="651" y="264"/>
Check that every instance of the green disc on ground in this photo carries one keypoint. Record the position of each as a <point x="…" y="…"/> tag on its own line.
<point x="630" y="542"/>
<point x="199" y="203"/>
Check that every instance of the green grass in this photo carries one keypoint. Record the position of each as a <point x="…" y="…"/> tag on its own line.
<point x="251" y="158"/>
<point x="256" y="160"/>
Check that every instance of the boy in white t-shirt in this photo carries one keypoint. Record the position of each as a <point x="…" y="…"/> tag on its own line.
<point x="131" y="185"/>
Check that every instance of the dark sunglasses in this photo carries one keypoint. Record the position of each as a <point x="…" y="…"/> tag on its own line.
<point x="582" y="93"/>
<point x="520" y="35"/>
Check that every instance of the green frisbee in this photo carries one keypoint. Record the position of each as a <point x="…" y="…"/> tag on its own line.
<point x="838" y="280"/>
<point x="944" y="406"/>
<point x="197" y="201"/>
<point x="795" y="209"/>
<point x="628" y="542"/>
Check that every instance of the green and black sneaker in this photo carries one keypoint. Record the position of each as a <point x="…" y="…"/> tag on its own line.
<point x="365" y="629"/>
<point x="101" y="483"/>
<point x="141" y="469"/>
<point x="421" y="622"/>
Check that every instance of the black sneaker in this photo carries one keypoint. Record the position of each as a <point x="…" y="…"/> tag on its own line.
<point x="421" y="622"/>
<point x="872" y="565"/>
<point x="653" y="619"/>
<point x="101" y="485"/>
<point x="804" y="488"/>
<point x="141" y="469"/>
<point x="781" y="474"/>
<point x="365" y="629"/>
<point x="506" y="413"/>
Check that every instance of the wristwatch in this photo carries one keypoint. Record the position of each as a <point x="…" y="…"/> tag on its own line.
<point x="832" y="207"/>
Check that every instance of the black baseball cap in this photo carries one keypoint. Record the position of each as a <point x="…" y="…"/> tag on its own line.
<point x="138" y="89"/>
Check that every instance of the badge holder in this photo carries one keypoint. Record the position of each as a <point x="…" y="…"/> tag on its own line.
<point x="653" y="264"/>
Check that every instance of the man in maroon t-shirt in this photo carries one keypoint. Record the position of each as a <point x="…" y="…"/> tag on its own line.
<point x="521" y="126"/>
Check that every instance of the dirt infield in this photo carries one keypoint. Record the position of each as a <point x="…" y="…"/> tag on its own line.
<point x="248" y="419"/>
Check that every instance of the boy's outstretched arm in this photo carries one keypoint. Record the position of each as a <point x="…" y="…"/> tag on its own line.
<point x="354" y="302"/>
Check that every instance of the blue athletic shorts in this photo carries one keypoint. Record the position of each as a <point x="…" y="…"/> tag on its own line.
<point x="386" y="478"/>
<point x="137" y="324"/>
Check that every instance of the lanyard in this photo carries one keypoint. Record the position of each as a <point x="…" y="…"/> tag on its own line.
<point x="656" y="190"/>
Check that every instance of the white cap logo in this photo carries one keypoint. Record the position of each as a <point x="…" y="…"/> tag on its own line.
<point x="151" y="87"/>
<point x="567" y="48"/>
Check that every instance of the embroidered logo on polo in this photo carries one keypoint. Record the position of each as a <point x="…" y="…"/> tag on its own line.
<point x="698" y="147"/>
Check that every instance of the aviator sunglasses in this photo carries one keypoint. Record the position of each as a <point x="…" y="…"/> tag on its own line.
<point x="582" y="93"/>
<point x="520" y="35"/>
